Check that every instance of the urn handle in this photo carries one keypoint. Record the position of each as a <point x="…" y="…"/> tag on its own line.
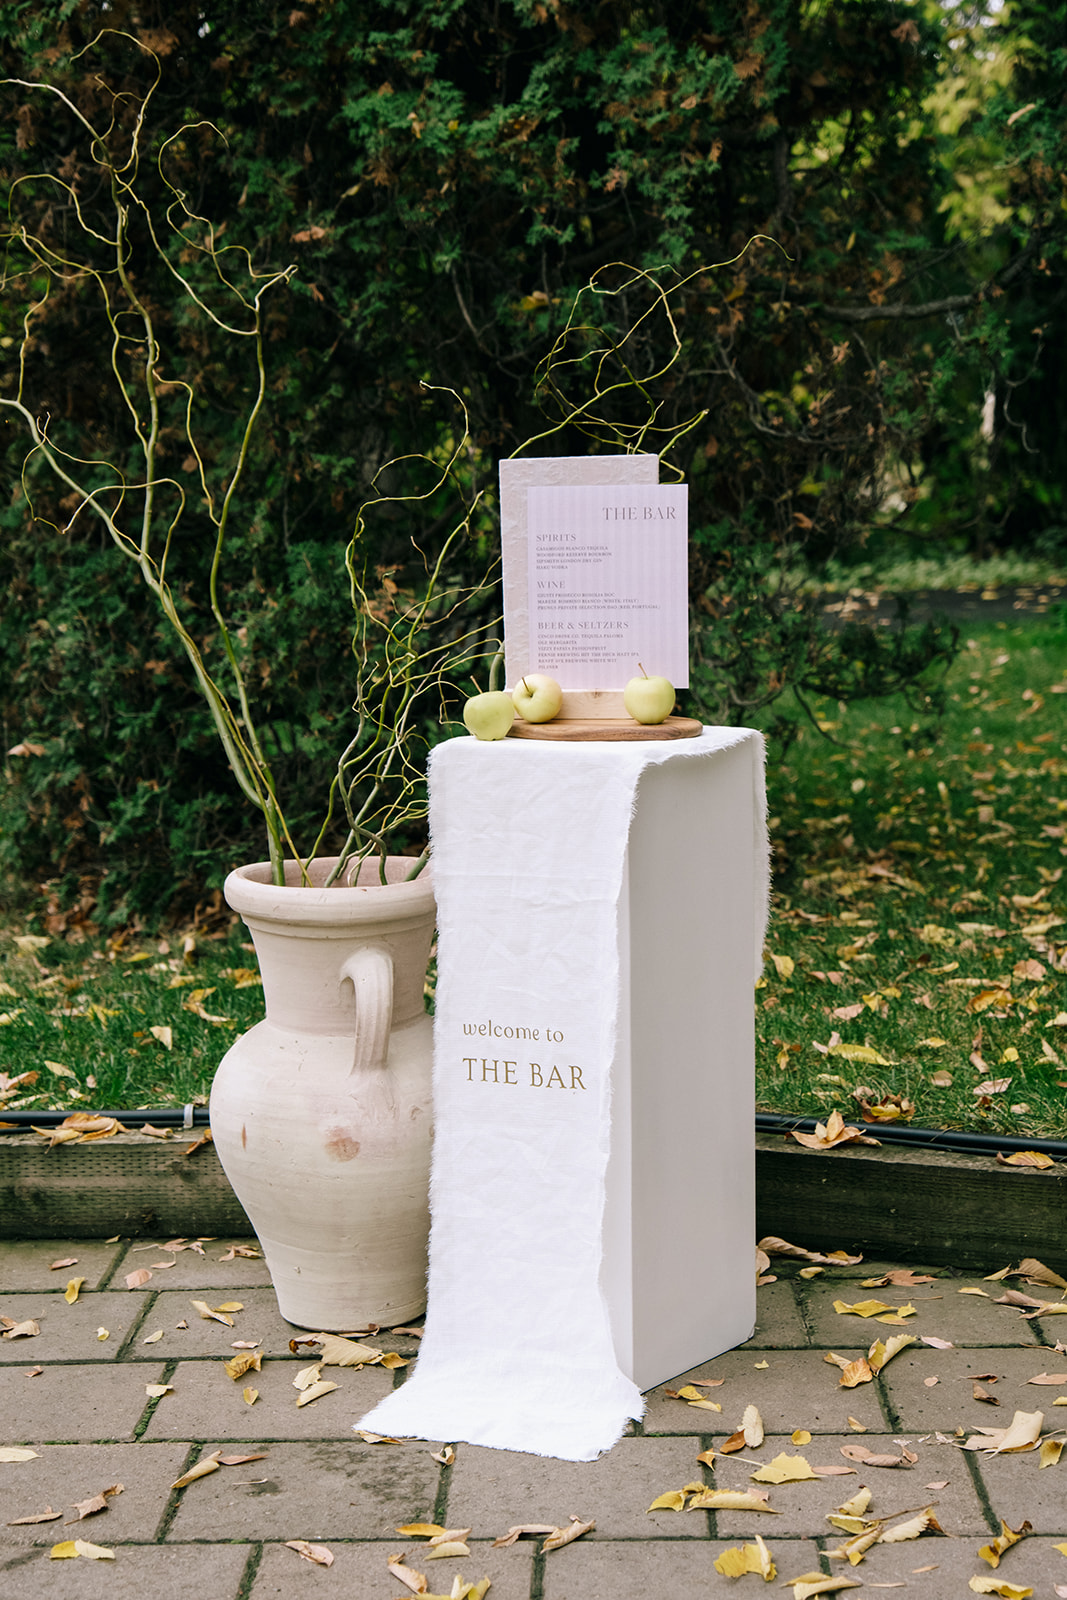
<point x="370" y="972"/>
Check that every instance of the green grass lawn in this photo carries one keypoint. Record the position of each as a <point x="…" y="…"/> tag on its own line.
<point x="918" y="945"/>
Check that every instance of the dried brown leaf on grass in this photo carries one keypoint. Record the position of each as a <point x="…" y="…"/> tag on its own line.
<point x="79" y="1128"/>
<point x="831" y="1133"/>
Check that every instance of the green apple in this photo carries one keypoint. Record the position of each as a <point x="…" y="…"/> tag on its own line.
<point x="489" y="716"/>
<point x="537" y="697"/>
<point x="649" y="700"/>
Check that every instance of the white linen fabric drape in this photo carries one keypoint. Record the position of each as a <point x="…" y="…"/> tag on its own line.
<point x="529" y="843"/>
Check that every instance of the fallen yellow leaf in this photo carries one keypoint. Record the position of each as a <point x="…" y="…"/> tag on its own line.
<point x="925" y="1522"/>
<point x="673" y="1500"/>
<point x="857" y="1504"/>
<point x="249" y="1361"/>
<point x="201" y="1470"/>
<point x="814" y="1583"/>
<point x="785" y="1469"/>
<point x="729" y="1500"/>
<point x="861" y="1308"/>
<point x="1050" y="1452"/>
<point x="415" y="1581"/>
<point x="212" y="1314"/>
<point x="10" y="1453"/>
<point x="773" y="1246"/>
<point x="561" y="1536"/>
<point x="73" y="1289"/>
<point x="739" y="1559"/>
<point x="80" y="1547"/>
<point x="314" y="1391"/>
<point x="856" y="1548"/>
<point x="29" y="1329"/>
<point x="830" y="1134"/>
<point x="1007" y="1591"/>
<point x="879" y="1354"/>
<point x="315" y="1553"/>
<point x="1022" y="1433"/>
<point x="993" y="1551"/>
<point x="751" y="1427"/>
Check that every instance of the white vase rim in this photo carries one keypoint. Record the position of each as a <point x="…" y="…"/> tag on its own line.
<point x="250" y="891"/>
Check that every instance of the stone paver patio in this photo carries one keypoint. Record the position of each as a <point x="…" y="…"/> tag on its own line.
<point x="75" y="1393"/>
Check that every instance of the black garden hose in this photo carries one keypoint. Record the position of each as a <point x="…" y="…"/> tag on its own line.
<point x="188" y="1116"/>
<point x="191" y="1116"/>
<point x="923" y="1138"/>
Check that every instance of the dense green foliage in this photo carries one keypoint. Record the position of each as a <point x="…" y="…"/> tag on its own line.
<point x="445" y="177"/>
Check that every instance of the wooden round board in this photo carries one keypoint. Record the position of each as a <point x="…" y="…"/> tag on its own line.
<point x="614" y="729"/>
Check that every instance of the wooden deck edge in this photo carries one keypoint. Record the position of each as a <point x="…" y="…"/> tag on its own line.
<point x="900" y="1204"/>
<point x="129" y="1184"/>
<point x="906" y="1205"/>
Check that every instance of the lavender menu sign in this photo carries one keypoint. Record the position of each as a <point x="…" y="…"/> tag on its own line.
<point x="608" y="582"/>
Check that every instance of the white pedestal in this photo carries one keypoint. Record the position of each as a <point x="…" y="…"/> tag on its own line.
<point x="600" y="917"/>
<point x="680" y="1214"/>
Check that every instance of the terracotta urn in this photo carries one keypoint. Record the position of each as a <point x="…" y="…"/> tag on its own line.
<point x="321" y="1113"/>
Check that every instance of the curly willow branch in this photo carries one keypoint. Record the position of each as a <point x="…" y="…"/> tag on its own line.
<point x="421" y="626"/>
